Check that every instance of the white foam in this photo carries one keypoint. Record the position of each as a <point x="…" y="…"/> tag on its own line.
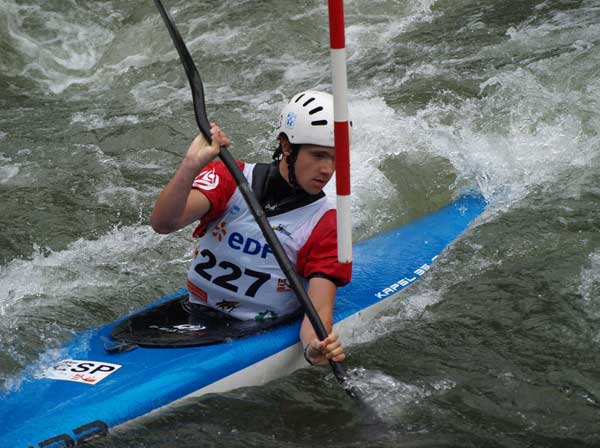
<point x="408" y="307"/>
<point x="420" y="71"/>
<point x="544" y="5"/>
<point x="561" y="29"/>
<point x="371" y="139"/>
<point x="97" y="121"/>
<point x="374" y="32"/>
<point x="505" y="141"/>
<point x="524" y="129"/>
<point x="511" y="145"/>
<point x="589" y="287"/>
<point x="384" y="394"/>
<point x="63" y="51"/>
<point x="319" y="11"/>
<point x="160" y="95"/>
<point x="224" y="40"/>
<point x="116" y="194"/>
<point x="7" y="172"/>
<point x="305" y="71"/>
<point x="134" y="60"/>
<point x="84" y="264"/>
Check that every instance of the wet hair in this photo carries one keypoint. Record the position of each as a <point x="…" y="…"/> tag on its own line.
<point x="278" y="153"/>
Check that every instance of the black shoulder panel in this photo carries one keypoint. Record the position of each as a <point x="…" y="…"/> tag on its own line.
<point x="260" y="180"/>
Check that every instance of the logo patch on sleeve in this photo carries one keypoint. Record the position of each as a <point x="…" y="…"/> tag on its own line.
<point x="207" y="180"/>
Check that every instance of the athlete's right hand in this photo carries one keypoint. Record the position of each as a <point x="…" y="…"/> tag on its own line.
<point x="319" y="353"/>
<point x="200" y="152"/>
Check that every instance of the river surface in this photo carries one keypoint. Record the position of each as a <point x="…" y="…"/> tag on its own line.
<point x="498" y="346"/>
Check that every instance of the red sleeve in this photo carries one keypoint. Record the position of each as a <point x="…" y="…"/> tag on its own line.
<point x="319" y="253"/>
<point x="218" y="185"/>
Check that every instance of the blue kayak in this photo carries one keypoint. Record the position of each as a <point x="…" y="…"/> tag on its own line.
<point x="91" y="389"/>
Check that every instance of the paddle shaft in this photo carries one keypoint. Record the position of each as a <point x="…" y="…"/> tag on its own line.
<point x="284" y="262"/>
<point x="257" y="211"/>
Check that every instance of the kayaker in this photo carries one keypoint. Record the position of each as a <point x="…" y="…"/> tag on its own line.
<point x="233" y="270"/>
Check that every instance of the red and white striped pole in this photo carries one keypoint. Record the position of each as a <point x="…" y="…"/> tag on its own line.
<point x="341" y="130"/>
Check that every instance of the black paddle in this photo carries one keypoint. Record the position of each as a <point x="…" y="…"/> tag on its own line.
<point x="339" y="369"/>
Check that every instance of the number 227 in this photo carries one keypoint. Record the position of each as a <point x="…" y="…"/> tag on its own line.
<point x="235" y="272"/>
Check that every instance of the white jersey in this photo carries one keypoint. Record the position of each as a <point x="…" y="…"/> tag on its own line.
<point x="234" y="269"/>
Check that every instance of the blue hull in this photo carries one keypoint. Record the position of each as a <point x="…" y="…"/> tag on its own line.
<point x="56" y="413"/>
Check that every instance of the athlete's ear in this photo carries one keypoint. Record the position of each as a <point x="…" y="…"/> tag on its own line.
<point x="285" y="145"/>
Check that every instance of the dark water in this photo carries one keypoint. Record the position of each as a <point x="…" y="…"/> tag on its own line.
<point x="496" y="347"/>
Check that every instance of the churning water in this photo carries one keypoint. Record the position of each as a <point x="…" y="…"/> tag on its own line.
<point x="496" y="347"/>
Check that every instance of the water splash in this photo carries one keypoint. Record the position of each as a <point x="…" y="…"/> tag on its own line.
<point x="57" y="48"/>
<point x="92" y="121"/>
<point x="85" y="265"/>
<point x="386" y="396"/>
<point x="589" y="288"/>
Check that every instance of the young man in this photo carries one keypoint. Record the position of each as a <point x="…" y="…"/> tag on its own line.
<point x="234" y="270"/>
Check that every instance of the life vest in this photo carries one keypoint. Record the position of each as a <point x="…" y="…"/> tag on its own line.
<point x="234" y="270"/>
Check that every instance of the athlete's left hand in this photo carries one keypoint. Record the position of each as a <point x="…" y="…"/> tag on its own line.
<point x="330" y="348"/>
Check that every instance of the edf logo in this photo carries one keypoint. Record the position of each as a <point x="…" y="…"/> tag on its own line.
<point x="248" y="245"/>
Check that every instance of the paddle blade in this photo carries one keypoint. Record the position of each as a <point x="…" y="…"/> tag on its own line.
<point x="190" y="70"/>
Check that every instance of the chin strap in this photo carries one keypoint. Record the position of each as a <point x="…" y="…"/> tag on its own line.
<point x="291" y="163"/>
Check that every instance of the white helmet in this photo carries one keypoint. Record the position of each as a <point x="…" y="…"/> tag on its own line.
<point x="308" y="119"/>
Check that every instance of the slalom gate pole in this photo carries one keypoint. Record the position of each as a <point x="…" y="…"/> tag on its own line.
<point x="341" y="128"/>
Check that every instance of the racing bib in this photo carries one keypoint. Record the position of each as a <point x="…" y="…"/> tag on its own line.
<point x="234" y="269"/>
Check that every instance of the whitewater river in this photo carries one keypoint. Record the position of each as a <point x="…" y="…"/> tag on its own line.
<point x="498" y="346"/>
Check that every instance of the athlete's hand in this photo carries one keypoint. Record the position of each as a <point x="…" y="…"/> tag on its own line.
<point x="330" y="348"/>
<point x="200" y="152"/>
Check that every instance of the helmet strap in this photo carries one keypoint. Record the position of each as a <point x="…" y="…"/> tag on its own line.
<point x="278" y="154"/>
<point x="291" y="163"/>
<point x="290" y="159"/>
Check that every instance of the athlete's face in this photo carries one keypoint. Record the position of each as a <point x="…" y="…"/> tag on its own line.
<point x="314" y="167"/>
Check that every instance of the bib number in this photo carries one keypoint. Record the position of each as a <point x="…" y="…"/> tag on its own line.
<point x="232" y="273"/>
